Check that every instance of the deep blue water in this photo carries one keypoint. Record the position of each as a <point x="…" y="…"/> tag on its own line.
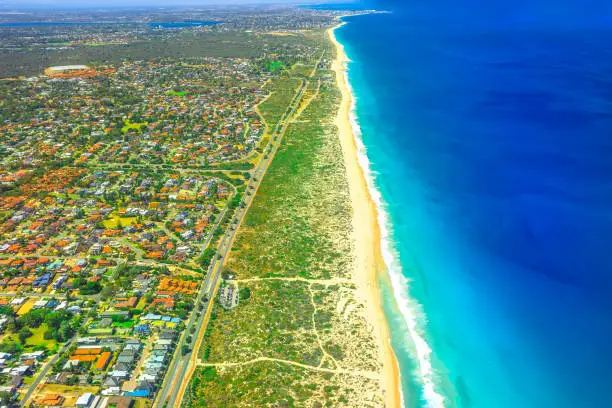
<point x="182" y="24"/>
<point x="490" y="136"/>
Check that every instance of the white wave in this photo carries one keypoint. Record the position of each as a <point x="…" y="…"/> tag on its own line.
<point x="410" y="310"/>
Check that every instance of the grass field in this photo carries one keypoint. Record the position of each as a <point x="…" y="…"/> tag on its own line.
<point x="275" y="65"/>
<point x="26" y="307"/>
<point x="101" y="331"/>
<point x="282" y="92"/>
<point x="38" y="339"/>
<point x="116" y="221"/>
<point x="133" y="126"/>
<point x="70" y="392"/>
<point x="142" y="302"/>
<point x="301" y="70"/>
<point x="125" y="325"/>
<point x="70" y="389"/>
<point x="142" y="403"/>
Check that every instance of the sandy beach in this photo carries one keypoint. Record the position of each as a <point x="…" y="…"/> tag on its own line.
<point x="369" y="262"/>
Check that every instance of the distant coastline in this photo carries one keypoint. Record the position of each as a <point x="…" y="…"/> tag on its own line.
<point x="369" y="260"/>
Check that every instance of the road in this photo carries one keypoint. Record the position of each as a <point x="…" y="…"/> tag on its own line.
<point x="182" y="365"/>
<point x="44" y="372"/>
<point x="191" y="323"/>
<point x="139" y="253"/>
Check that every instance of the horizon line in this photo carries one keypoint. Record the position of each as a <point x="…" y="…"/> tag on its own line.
<point x="47" y="5"/>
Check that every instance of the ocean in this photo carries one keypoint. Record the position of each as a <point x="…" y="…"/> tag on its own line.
<point x="487" y="132"/>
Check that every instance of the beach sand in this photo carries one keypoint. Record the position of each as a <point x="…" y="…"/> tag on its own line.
<point x="369" y="262"/>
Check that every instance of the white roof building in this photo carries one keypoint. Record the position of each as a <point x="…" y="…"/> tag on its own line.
<point x="85" y="400"/>
<point x="17" y="301"/>
<point x="61" y="68"/>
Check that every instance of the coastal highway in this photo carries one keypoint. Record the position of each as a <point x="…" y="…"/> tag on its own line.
<point x="182" y="365"/>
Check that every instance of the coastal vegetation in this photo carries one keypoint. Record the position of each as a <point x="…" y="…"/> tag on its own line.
<point x="285" y="386"/>
<point x="300" y="337"/>
<point x="281" y="92"/>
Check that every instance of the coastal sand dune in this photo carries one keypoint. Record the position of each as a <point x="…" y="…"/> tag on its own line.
<point x="368" y="262"/>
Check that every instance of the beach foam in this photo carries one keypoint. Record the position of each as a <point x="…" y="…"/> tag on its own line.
<point x="410" y="310"/>
<point x="491" y="159"/>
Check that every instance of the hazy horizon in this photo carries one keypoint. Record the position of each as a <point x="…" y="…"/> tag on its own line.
<point x="81" y="4"/>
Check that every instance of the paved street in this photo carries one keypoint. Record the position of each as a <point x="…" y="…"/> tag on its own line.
<point x="43" y="373"/>
<point x="178" y="374"/>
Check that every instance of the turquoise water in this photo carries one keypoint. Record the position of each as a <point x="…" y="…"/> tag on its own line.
<point x="488" y="142"/>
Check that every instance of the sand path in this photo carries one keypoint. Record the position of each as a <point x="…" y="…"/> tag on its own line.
<point x="366" y="374"/>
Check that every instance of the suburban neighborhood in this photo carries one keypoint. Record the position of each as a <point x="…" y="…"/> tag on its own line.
<point x="122" y="183"/>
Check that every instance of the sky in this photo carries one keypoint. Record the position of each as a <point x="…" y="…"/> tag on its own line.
<point x="560" y="10"/>
<point x="5" y="4"/>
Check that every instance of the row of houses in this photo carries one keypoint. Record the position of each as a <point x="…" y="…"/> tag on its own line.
<point x="154" y="368"/>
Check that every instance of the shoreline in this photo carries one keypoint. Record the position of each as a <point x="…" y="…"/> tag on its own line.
<point x="368" y="251"/>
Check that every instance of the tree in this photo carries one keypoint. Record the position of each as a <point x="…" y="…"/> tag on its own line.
<point x="108" y="292"/>
<point x="65" y="331"/>
<point x="228" y="274"/>
<point x="24" y="334"/>
<point x="244" y="293"/>
<point x="9" y="346"/>
<point x="7" y="311"/>
<point x="206" y="257"/>
<point x="33" y="318"/>
<point x="5" y="398"/>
